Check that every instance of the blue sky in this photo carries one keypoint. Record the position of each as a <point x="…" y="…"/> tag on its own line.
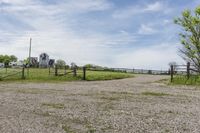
<point x="114" y="33"/>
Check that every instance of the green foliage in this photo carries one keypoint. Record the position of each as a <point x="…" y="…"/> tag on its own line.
<point x="13" y="58"/>
<point x="67" y="129"/>
<point x="54" y="105"/>
<point x="101" y="68"/>
<point x="67" y="66"/>
<point x="183" y="80"/>
<point x="26" y="61"/>
<point x="7" y="59"/>
<point x="190" y="36"/>
<point x="154" y="94"/>
<point x="60" y="63"/>
<point x="89" y="65"/>
<point x="73" y="65"/>
<point x="103" y="75"/>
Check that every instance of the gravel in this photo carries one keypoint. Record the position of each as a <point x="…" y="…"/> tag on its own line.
<point x="139" y="104"/>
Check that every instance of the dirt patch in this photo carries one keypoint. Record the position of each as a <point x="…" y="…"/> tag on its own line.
<point x="139" y="104"/>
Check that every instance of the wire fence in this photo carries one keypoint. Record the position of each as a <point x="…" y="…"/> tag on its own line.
<point x="13" y="73"/>
<point x="79" y="72"/>
<point x="188" y="70"/>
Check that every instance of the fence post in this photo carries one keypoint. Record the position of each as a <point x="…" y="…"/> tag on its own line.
<point x="6" y="69"/>
<point x="172" y="72"/>
<point x="84" y="73"/>
<point x="56" y="70"/>
<point x="65" y="70"/>
<point x="188" y="70"/>
<point x="49" y="70"/>
<point x="74" y="74"/>
<point x="23" y="76"/>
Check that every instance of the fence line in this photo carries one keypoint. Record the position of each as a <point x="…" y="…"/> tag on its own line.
<point x="77" y="71"/>
<point x="13" y="73"/>
<point x="189" y="70"/>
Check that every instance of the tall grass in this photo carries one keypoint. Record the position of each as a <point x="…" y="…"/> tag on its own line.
<point x="183" y="80"/>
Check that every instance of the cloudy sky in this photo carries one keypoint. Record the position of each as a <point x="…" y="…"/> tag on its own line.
<point x="114" y="33"/>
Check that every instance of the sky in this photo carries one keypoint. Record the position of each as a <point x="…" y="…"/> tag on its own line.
<point x="113" y="33"/>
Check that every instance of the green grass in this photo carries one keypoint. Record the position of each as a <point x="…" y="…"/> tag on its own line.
<point x="147" y="93"/>
<point x="67" y="129"/>
<point x="54" y="105"/>
<point x="102" y="75"/>
<point x="14" y="73"/>
<point x="42" y="75"/>
<point x="183" y="80"/>
<point x="42" y="113"/>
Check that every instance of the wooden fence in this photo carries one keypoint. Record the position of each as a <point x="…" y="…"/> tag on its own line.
<point x="56" y="71"/>
<point x="134" y="71"/>
<point x="82" y="71"/>
<point x="11" y="72"/>
<point x="187" y="70"/>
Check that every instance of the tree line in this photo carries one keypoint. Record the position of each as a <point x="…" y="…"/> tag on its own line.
<point x="6" y="59"/>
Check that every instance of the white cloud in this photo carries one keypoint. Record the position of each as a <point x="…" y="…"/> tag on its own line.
<point x="70" y="6"/>
<point x="139" y="9"/>
<point x="157" y="6"/>
<point x="146" y="30"/>
<point x="54" y="35"/>
<point x="154" y="57"/>
<point x="15" y="1"/>
<point x="51" y="28"/>
<point x="167" y="21"/>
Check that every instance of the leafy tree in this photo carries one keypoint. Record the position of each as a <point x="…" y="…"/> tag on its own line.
<point x="67" y="66"/>
<point x="13" y="58"/>
<point x="6" y="59"/>
<point x="60" y="63"/>
<point x="89" y="65"/>
<point x="1" y="58"/>
<point x="190" y="36"/>
<point x="26" y="61"/>
<point x="73" y="65"/>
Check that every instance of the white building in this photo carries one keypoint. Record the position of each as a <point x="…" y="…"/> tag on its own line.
<point x="16" y="64"/>
<point x="33" y="61"/>
<point x="13" y="64"/>
<point x="44" y="60"/>
<point x="20" y="63"/>
<point x="1" y="65"/>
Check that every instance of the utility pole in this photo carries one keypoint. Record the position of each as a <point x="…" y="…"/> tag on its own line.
<point x="29" y="59"/>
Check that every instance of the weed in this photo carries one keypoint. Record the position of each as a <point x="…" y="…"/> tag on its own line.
<point x="67" y="129"/>
<point x="154" y="94"/>
<point x="53" y="105"/>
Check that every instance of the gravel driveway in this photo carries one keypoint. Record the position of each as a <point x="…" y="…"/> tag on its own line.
<point x="137" y="105"/>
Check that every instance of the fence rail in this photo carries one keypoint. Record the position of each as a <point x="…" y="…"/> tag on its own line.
<point x="79" y="72"/>
<point x="11" y="72"/>
<point x="188" y="70"/>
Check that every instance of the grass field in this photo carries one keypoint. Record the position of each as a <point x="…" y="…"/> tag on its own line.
<point x="41" y="75"/>
<point x="183" y="80"/>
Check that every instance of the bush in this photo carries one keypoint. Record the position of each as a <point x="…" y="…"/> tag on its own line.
<point x="60" y="63"/>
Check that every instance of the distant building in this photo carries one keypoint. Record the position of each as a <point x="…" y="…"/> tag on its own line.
<point x="44" y="60"/>
<point x="12" y="64"/>
<point x="16" y="64"/>
<point x="51" y="63"/>
<point x="2" y="65"/>
<point x="20" y="63"/>
<point x="34" y="62"/>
